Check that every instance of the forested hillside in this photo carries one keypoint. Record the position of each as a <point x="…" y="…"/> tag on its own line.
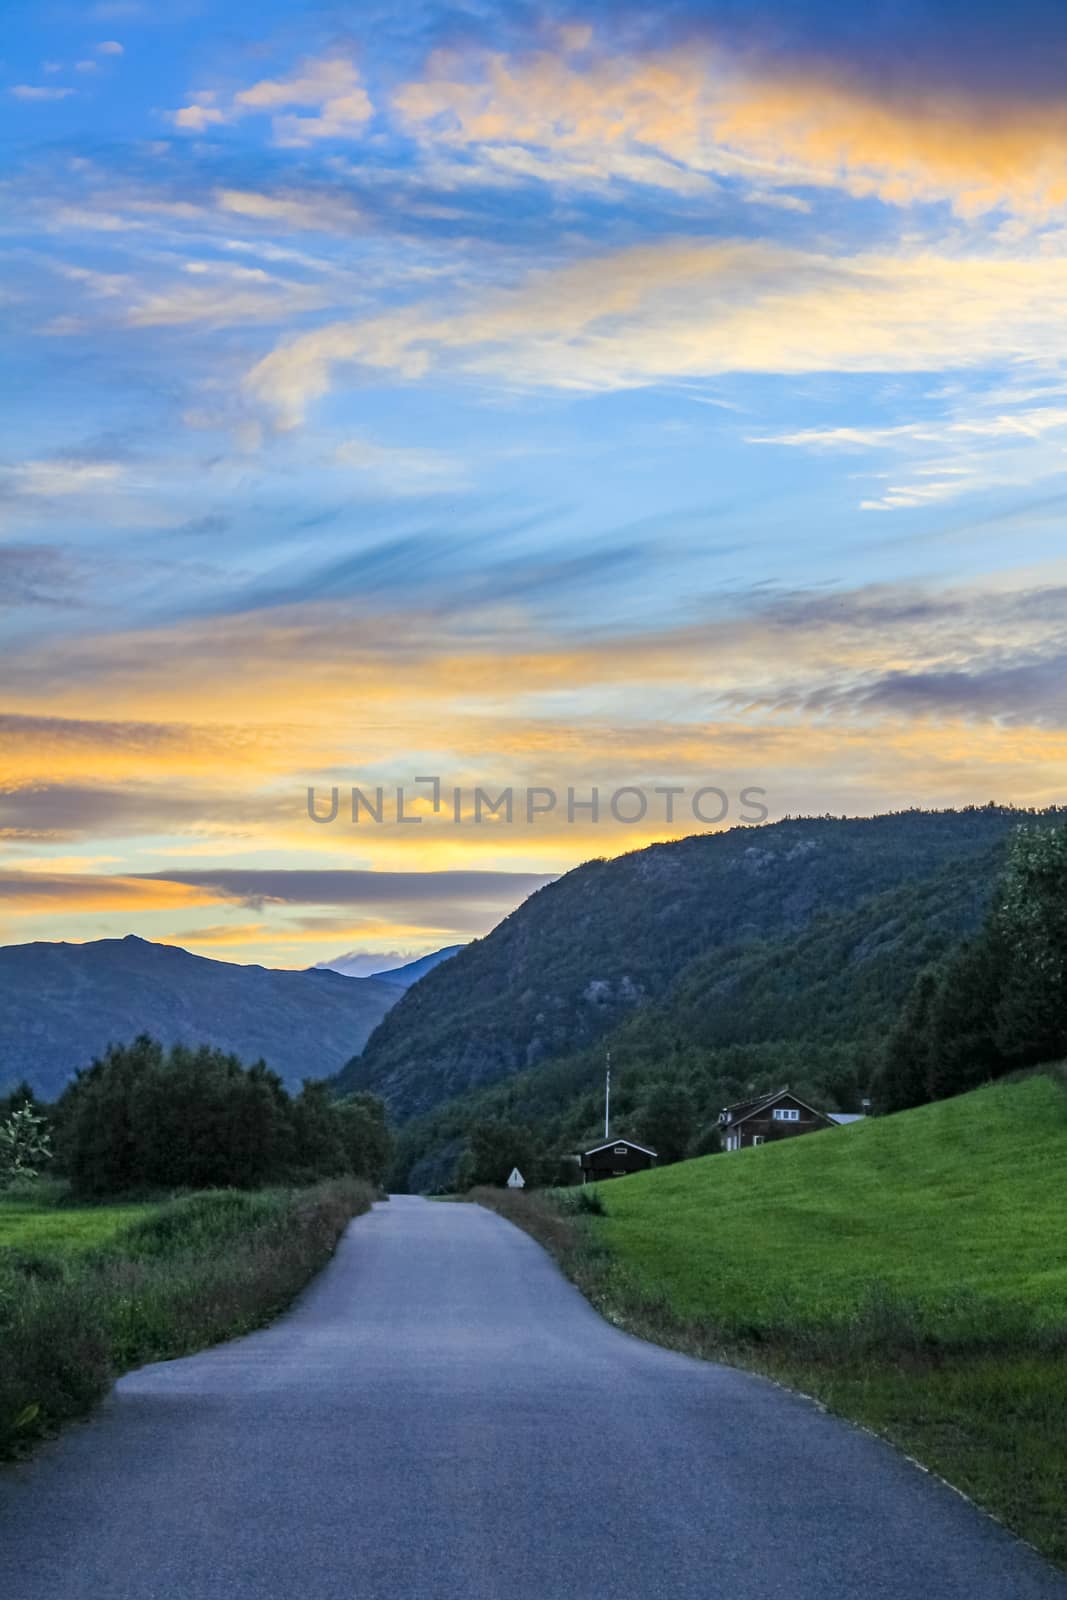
<point x="812" y="1009"/>
<point x="611" y="939"/>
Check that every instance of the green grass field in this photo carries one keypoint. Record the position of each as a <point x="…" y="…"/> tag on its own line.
<point x="955" y="1211"/>
<point x="39" y="1224"/>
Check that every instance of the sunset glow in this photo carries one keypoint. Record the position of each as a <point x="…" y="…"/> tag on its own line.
<point x="606" y="397"/>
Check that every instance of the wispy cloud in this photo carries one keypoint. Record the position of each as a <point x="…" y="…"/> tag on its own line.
<point x="398" y="470"/>
<point x="687" y="308"/>
<point x="328" y="96"/>
<point x="40" y="91"/>
<point x="58" y="476"/>
<point x="947" y="458"/>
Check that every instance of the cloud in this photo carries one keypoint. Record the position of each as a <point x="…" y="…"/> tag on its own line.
<point x="690" y="308"/>
<point x="64" y="811"/>
<point x="38" y="91"/>
<point x="953" y="456"/>
<point x="709" y="109"/>
<point x="215" y="293"/>
<point x="309" y="211"/>
<point x="58" y="476"/>
<point x="400" y="471"/>
<point x="69" y="892"/>
<point x="35" y="575"/>
<point x="294" y="886"/>
<point x="110" y="47"/>
<point x="331" y="86"/>
<point x="200" y="114"/>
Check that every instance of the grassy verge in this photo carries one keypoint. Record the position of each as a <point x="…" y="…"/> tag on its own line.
<point x="910" y="1273"/>
<point x="193" y="1271"/>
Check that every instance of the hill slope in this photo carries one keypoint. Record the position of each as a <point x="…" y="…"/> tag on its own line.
<point x="62" y="1004"/>
<point x="955" y="1209"/>
<point x="586" y="952"/>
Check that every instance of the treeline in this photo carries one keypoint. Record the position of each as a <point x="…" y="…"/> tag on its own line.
<point x="998" y="1003"/>
<point x="195" y="1118"/>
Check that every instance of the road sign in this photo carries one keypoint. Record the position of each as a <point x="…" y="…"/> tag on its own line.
<point x="516" y="1181"/>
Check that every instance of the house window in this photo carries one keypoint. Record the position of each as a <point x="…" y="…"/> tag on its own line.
<point x="619" y="1173"/>
<point x="619" y="1150"/>
<point x="757" y="1138"/>
<point x="786" y="1114"/>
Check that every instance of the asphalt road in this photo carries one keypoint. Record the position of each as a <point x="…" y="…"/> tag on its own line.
<point x="442" y="1417"/>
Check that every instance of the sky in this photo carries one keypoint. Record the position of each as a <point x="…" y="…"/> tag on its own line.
<point x="532" y="398"/>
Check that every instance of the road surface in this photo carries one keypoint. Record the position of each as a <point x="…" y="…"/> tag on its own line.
<point x="443" y="1417"/>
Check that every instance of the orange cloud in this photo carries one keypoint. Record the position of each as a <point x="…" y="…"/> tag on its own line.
<point x="69" y="892"/>
<point x="709" y="112"/>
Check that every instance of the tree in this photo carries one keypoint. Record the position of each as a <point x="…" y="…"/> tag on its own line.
<point x="318" y="1142"/>
<point x="24" y="1145"/>
<point x="192" y="1118"/>
<point x="365" y="1136"/>
<point x="1000" y="1001"/>
<point x="667" y="1121"/>
<point x="901" y="1080"/>
<point x="493" y="1148"/>
<point x="1030" y="921"/>
<point x="962" y="1049"/>
<point x="21" y="1095"/>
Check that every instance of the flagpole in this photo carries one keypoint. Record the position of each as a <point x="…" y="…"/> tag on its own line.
<point x="607" y="1099"/>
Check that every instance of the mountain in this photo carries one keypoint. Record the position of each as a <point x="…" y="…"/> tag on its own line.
<point x="62" y="1004"/>
<point x="403" y="975"/>
<point x="808" y="1008"/>
<point x="610" y="938"/>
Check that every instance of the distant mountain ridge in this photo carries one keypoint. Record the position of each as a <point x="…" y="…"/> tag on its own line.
<point x="609" y="939"/>
<point x="62" y="1004"/>
<point x="403" y="975"/>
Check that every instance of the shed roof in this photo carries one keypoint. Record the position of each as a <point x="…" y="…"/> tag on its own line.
<point x="609" y="1143"/>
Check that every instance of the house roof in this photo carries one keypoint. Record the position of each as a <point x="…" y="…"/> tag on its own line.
<point x="751" y="1105"/>
<point x="732" y="1115"/>
<point x="609" y="1143"/>
<point x="845" y="1117"/>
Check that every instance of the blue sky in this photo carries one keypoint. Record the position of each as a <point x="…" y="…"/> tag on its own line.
<point x="577" y="395"/>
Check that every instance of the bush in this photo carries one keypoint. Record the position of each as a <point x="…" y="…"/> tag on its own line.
<point x="586" y="1200"/>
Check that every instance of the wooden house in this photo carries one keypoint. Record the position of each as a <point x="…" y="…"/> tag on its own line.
<point x="615" y="1158"/>
<point x="780" y="1115"/>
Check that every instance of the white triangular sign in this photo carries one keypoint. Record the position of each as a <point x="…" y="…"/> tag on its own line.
<point x="516" y="1181"/>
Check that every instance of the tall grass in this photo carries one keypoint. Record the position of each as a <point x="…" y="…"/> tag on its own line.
<point x="202" y="1268"/>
